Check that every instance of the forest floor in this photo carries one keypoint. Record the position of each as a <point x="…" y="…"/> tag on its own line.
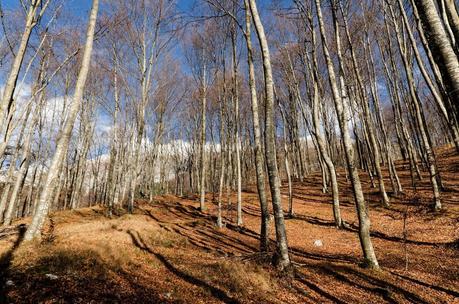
<point x="169" y="252"/>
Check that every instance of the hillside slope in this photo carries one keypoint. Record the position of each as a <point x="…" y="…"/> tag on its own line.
<point x="169" y="252"/>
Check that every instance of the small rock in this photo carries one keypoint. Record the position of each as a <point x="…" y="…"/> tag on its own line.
<point x="9" y="283"/>
<point x="51" y="276"/>
<point x="318" y="243"/>
<point x="168" y="295"/>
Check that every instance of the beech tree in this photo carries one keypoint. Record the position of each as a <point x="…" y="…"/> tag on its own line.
<point x="346" y="92"/>
<point x="342" y="110"/>
<point x="283" y="259"/>
<point x="41" y="212"/>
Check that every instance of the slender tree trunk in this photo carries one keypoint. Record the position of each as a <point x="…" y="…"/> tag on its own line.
<point x="39" y="217"/>
<point x="7" y="98"/>
<point x="283" y="259"/>
<point x="287" y="167"/>
<point x="343" y="117"/>
<point x="425" y="141"/>
<point x="366" y="111"/>
<point x="442" y="105"/>
<point x="237" y="138"/>
<point x="442" y="48"/>
<point x="453" y="17"/>
<point x="203" y="139"/>
<point x="320" y="140"/>
<point x="258" y="146"/>
<point x="222" y="166"/>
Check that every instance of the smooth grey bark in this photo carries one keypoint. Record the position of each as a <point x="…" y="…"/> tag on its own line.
<point x="430" y="158"/>
<point x="26" y="155"/>
<point x="202" y="200"/>
<point x="34" y="229"/>
<point x="222" y="166"/>
<point x="287" y="164"/>
<point x="317" y="133"/>
<point x="282" y="258"/>
<point x="4" y="201"/>
<point x="20" y="176"/>
<point x="369" y="123"/>
<point x="31" y="21"/>
<point x="237" y="138"/>
<point x="442" y="105"/>
<point x="343" y="118"/>
<point x="258" y="146"/>
<point x="320" y="139"/>
<point x="386" y="146"/>
<point x="453" y="17"/>
<point x="113" y="163"/>
<point x="442" y="48"/>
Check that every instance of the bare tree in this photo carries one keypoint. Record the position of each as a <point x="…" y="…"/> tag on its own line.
<point x="283" y="259"/>
<point x="34" y="230"/>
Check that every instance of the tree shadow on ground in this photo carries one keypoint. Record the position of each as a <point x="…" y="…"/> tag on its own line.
<point x="342" y="268"/>
<point x="389" y="286"/>
<point x="216" y="292"/>
<point x="5" y="262"/>
<point x="80" y="277"/>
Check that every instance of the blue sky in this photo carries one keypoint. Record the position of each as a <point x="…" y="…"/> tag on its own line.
<point x="78" y="6"/>
<point x="83" y="6"/>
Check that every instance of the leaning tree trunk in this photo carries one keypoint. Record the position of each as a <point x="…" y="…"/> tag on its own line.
<point x="34" y="230"/>
<point x="343" y="117"/>
<point x="453" y="17"/>
<point x="366" y="111"/>
<point x="317" y="132"/>
<point x="7" y="98"/>
<point x="425" y="142"/>
<point x="442" y="105"/>
<point x="441" y="47"/>
<point x="283" y="259"/>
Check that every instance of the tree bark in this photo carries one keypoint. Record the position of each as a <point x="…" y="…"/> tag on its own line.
<point x="343" y="117"/>
<point x="283" y="259"/>
<point x="442" y="48"/>
<point x="258" y="146"/>
<point x="34" y="230"/>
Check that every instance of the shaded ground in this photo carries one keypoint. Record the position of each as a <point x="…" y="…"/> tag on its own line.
<point x="169" y="252"/>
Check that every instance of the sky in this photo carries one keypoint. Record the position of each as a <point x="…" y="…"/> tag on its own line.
<point x="74" y="4"/>
<point x="81" y="7"/>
